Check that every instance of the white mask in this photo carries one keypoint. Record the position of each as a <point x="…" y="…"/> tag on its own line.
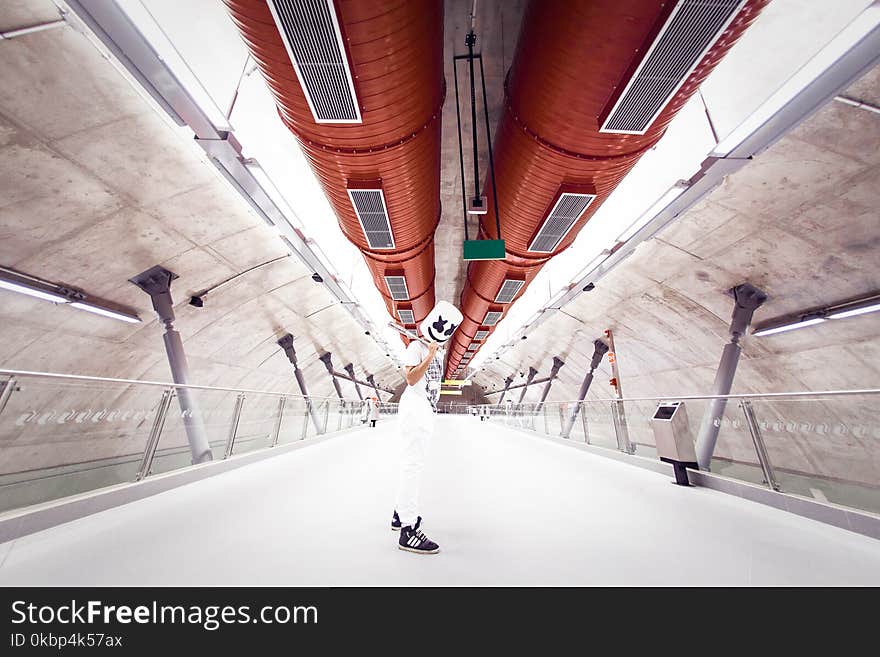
<point x="441" y="322"/>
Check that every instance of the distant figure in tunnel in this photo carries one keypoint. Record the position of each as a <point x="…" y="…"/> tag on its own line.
<point x="423" y="364"/>
<point x="374" y="410"/>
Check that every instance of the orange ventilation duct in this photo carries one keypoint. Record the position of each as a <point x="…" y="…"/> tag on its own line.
<point x="593" y="86"/>
<point x="360" y="84"/>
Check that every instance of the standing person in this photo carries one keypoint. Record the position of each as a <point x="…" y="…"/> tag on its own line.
<point x="374" y="411"/>
<point x="423" y="368"/>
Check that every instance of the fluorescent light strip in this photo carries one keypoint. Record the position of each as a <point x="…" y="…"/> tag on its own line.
<point x="855" y="311"/>
<point x="106" y="313"/>
<point x="36" y="290"/>
<point x="788" y="327"/>
<point x="32" y="292"/>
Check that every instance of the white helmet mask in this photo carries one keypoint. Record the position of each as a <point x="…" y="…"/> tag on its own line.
<point x="441" y="322"/>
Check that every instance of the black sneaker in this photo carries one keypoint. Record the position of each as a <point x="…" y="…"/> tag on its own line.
<point x="395" y="522"/>
<point x="413" y="540"/>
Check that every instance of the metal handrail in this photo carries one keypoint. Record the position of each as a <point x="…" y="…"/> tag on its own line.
<point x="750" y="395"/>
<point x="163" y="384"/>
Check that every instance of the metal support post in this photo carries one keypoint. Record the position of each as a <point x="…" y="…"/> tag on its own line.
<point x="372" y="381"/>
<point x="554" y="372"/>
<point x="507" y="383"/>
<point x="286" y="343"/>
<point x="233" y="427"/>
<point x="155" y="432"/>
<point x="156" y="282"/>
<point x="747" y="299"/>
<point x="760" y="448"/>
<point x="326" y="404"/>
<point x="350" y="369"/>
<point x="305" y="429"/>
<point x="529" y="379"/>
<point x="585" y="423"/>
<point x="600" y="348"/>
<point x="618" y="411"/>
<point x="325" y="358"/>
<point x="277" y="430"/>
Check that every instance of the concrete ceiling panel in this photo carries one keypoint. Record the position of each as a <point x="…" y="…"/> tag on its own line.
<point x="147" y="163"/>
<point x="785" y="177"/>
<point x="250" y="247"/>
<point x="49" y="82"/>
<point x="205" y="214"/>
<point x="15" y="14"/>
<point x="101" y="258"/>
<point x="836" y="128"/>
<point x="696" y="234"/>
<point x="30" y="172"/>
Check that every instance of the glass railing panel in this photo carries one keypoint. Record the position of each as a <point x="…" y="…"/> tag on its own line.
<point x="61" y="438"/>
<point x="825" y="448"/>
<point x="734" y="454"/>
<point x="256" y="427"/>
<point x="290" y="428"/>
<point x="215" y="409"/>
<point x="312" y="419"/>
<point x="595" y="426"/>
<point x="634" y="417"/>
<point x="335" y="416"/>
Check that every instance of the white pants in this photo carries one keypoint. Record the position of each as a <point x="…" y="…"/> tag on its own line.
<point x="415" y="418"/>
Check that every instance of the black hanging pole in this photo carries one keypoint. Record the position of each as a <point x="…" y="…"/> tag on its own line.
<point x="470" y="40"/>
<point x="460" y="149"/>
<point x="491" y="159"/>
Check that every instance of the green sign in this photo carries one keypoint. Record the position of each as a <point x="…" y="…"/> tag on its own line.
<point x="484" y="250"/>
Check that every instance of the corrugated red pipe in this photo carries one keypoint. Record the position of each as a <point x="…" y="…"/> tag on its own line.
<point x="395" y="52"/>
<point x="570" y="59"/>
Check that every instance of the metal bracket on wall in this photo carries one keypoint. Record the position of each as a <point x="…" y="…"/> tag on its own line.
<point x="276" y="431"/>
<point x="146" y="465"/>
<point x="8" y="388"/>
<point x="760" y="447"/>
<point x="233" y="427"/>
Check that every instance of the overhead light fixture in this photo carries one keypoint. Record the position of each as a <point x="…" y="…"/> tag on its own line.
<point x="842" y="314"/>
<point x="39" y="289"/>
<point x="668" y="197"/>
<point x="98" y="310"/>
<point x="852" y="308"/>
<point x="788" y="327"/>
<point x="32" y="292"/>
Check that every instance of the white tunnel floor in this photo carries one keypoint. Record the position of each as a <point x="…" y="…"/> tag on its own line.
<point x="506" y="509"/>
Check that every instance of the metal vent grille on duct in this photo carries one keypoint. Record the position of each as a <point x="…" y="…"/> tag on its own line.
<point x="481" y="335"/>
<point x="508" y="290"/>
<point x="491" y="318"/>
<point x="397" y="287"/>
<point x="369" y="206"/>
<point x="558" y="223"/>
<point x="691" y="30"/>
<point x="311" y="35"/>
<point x="406" y="316"/>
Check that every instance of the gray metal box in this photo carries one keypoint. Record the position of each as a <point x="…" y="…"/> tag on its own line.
<point x="672" y="433"/>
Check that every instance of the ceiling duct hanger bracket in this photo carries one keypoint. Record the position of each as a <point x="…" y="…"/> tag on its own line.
<point x="477" y="205"/>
